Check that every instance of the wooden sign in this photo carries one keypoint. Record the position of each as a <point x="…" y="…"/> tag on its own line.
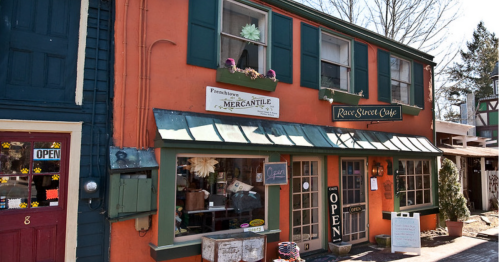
<point x="334" y="214"/>
<point x="367" y="113"/>
<point x="275" y="173"/>
<point x="405" y="233"/>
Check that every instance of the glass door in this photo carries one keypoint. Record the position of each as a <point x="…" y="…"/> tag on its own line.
<point x="306" y="204"/>
<point x="353" y="177"/>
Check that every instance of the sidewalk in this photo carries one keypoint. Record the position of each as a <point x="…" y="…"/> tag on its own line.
<point x="444" y="248"/>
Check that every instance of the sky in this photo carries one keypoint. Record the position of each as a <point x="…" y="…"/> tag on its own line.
<point x="472" y="12"/>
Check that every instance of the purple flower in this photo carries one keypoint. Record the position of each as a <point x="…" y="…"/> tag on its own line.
<point x="271" y="73"/>
<point x="229" y="62"/>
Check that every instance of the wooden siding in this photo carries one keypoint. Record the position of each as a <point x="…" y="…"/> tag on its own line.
<point x="93" y="228"/>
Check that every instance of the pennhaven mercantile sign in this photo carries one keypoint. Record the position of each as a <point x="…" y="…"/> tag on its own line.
<point x="229" y="101"/>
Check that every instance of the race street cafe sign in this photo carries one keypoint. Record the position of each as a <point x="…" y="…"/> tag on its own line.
<point x="367" y="113"/>
<point x="228" y="101"/>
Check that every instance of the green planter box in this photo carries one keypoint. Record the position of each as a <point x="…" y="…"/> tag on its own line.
<point x="340" y="96"/>
<point x="240" y="79"/>
<point x="410" y="110"/>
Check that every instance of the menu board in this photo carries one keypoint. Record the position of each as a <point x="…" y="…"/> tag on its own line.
<point x="405" y="233"/>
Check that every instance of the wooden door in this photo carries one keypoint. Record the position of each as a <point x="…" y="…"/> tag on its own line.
<point x="33" y="173"/>
<point x="354" y="208"/>
<point x="306" y="204"/>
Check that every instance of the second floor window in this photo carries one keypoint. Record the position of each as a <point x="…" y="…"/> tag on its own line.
<point x="244" y="36"/>
<point x="401" y="80"/>
<point x="335" y="62"/>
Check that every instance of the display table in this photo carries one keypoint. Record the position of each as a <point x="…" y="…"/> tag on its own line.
<point x="247" y="246"/>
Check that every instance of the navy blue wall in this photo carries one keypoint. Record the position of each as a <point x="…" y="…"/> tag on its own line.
<point x="95" y="113"/>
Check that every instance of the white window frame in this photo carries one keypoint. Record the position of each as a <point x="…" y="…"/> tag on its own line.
<point x="416" y="206"/>
<point x="349" y="66"/>
<point x="263" y="46"/>
<point x="197" y="237"/>
<point x="400" y="81"/>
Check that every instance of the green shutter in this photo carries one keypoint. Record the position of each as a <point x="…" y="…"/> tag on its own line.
<point x="418" y="85"/>
<point x="384" y="81"/>
<point x="282" y="47"/>
<point x="361" y="75"/>
<point x="309" y="72"/>
<point x="203" y="33"/>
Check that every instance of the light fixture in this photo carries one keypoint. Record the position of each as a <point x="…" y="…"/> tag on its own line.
<point x="377" y="170"/>
<point x="330" y="99"/>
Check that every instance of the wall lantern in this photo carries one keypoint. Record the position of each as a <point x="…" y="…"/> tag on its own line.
<point x="377" y="170"/>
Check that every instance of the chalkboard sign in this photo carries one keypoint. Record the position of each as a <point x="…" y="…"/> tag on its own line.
<point x="405" y="233"/>
<point x="275" y="173"/>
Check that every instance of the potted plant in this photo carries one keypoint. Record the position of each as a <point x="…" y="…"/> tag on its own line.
<point x="246" y="77"/>
<point x="451" y="200"/>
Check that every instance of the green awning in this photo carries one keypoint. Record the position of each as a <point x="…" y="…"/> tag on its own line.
<point x="177" y="129"/>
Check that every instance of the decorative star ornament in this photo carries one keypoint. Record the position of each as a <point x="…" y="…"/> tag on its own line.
<point x="250" y="32"/>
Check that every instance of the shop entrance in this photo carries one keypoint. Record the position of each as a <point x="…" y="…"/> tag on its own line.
<point x="353" y="184"/>
<point x="306" y="204"/>
<point x="33" y="175"/>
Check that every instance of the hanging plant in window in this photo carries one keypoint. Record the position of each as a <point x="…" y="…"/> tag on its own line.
<point x="202" y="166"/>
<point x="250" y="32"/>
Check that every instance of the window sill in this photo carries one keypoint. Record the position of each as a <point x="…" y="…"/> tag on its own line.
<point x="410" y="110"/>
<point x="339" y="96"/>
<point x="422" y="212"/>
<point x="240" y="79"/>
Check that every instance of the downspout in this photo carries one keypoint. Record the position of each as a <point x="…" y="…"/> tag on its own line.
<point x="122" y="127"/>
<point x="433" y="104"/>
<point x="141" y="76"/>
<point x="148" y="86"/>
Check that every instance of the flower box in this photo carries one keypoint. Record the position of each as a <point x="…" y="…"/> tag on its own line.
<point x="340" y="96"/>
<point x="410" y="110"/>
<point x="240" y="79"/>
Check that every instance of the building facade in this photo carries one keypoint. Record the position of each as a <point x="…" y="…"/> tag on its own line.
<point x="55" y="122"/>
<point x="350" y="111"/>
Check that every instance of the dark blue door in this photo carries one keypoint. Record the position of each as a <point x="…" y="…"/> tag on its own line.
<point x="38" y="50"/>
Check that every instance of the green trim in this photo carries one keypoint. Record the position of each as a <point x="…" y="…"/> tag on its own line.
<point x="240" y="79"/>
<point x="267" y="149"/>
<point x="167" y="197"/>
<point x="273" y="207"/>
<point x="340" y="96"/>
<point x="434" y="181"/>
<point x="410" y="110"/>
<point x="290" y="215"/>
<point x="396" y="198"/>
<point x="351" y="29"/>
<point x="325" y="214"/>
<point x="422" y="212"/>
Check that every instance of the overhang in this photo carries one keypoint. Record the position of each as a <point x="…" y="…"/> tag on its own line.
<point x="177" y="129"/>
<point x="469" y="151"/>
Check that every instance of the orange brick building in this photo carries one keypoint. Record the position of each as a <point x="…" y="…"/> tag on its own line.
<point x="349" y="109"/>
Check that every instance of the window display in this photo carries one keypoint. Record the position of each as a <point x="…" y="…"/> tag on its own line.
<point x="217" y="194"/>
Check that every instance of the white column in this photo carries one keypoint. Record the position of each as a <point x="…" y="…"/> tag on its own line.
<point x="485" y="185"/>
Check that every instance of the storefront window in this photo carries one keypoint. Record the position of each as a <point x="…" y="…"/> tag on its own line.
<point x="414" y="183"/>
<point x="24" y="185"/>
<point x="218" y="194"/>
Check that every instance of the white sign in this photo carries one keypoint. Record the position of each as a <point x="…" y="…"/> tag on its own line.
<point x="46" y="154"/>
<point x="374" y="184"/>
<point x="254" y="229"/>
<point x="229" y="101"/>
<point x="405" y="233"/>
